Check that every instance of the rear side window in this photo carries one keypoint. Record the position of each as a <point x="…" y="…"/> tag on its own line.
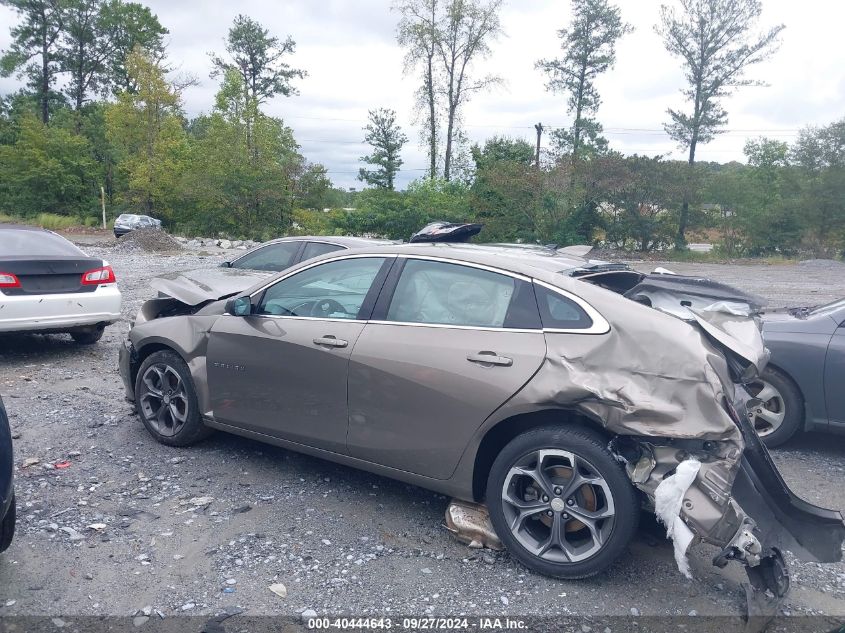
<point x="559" y="312"/>
<point x="275" y="257"/>
<point x="314" y="249"/>
<point x="23" y="242"/>
<point x="451" y="294"/>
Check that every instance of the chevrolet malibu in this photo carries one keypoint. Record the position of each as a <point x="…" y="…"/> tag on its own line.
<point x="48" y="285"/>
<point x="564" y="397"/>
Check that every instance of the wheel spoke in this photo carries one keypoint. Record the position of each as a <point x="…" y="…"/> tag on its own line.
<point x="774" y="418"/>
<point x="555" y="540"/>
<point x="767" y="393"/>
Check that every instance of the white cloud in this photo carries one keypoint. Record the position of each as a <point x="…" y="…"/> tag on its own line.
<point x="349" y="51"/>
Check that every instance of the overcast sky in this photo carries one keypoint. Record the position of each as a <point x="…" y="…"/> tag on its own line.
<point x="348" y="48"/>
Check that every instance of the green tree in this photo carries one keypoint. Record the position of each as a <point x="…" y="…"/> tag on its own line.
<point x="45" y="170"/>
<point x="244" y="168"/>
<point x="34" y="49"/>
<point x="145" y="128"/>
<point x="259" y="58"/>
<point x="385" y="136"/>
<point x="589" y="50"/>
<point x="819" y="155"/>
<point x="447" y="38"/>
<point x="716" y="45"/>
<point x="314" y="188"/>
<point x="97" y="35"/>
<point x="417" y="33"/>
<point x="508" y="192"/>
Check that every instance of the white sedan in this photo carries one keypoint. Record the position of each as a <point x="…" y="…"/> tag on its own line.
<point x="48" y="285"/>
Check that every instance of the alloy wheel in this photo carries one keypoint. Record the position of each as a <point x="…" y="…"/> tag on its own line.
<point x="164" y="401"/>
<point x="768" y="415"/>
<point x="558" y="506"/>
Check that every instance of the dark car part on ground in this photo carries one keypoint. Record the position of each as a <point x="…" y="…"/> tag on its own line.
<point x="7" y="491"/>
<point x="570" y="382"/>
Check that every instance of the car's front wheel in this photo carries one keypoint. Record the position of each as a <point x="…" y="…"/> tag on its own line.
<point x="560" y="502"/>
<point x="7" y="527"/>
<point x="779" y="415"/>
<point x="167" y="400"/>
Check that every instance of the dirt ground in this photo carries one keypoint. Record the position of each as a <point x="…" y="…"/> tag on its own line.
<point x="131" y="524"/>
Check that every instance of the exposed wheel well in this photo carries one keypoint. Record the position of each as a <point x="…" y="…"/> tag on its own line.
<point x="501" y="434"/>
<point x="143" y="354"/>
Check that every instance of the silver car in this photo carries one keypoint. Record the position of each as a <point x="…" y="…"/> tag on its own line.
<point x="127" y="222"/>
<point x="563" y="395"/>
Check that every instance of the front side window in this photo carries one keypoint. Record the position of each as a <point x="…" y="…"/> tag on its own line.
<point x="274" y="257"/>
<point x="334" y="290"/>
<point x="451" y="294"/>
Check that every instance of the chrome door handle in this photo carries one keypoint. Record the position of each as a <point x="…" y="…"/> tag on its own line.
<point x="330" y="341"/>
<point x="490" y="358"/>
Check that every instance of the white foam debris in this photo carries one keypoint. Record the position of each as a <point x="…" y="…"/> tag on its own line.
<point x="667" y="506"/>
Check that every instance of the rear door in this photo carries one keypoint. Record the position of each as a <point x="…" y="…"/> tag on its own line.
<point x="282" y="371"/>
<point x="448" y="344"/>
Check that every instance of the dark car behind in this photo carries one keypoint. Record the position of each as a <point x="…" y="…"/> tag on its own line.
<point x="7" y="492"/>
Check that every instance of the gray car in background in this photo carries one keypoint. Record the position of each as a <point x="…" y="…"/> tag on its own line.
<point x="128" y="222"/>
<point x="562" y="393"/>
<point x="803" y="386"/>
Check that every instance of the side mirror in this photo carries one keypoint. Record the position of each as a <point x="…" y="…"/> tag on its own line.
<point x="239" y="306"/>
<point x="225" y="264"/>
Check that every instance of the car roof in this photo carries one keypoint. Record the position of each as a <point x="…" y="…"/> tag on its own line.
<point x="23" y="227"/>
<point x="340" y="240"/>
<point x="514" y="258"/>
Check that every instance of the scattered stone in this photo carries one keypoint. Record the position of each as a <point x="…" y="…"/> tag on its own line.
<point x="279" y="589"/>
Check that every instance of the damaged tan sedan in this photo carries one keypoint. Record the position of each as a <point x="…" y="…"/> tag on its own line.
<point x="563" y="393"/>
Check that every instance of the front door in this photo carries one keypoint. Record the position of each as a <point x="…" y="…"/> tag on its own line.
<point x="282" y="371"/>
<point x="454" y="343"/>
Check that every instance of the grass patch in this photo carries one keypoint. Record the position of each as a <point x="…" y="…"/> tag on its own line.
<point x="717" y="257"/>
<point x="51" y="221"/>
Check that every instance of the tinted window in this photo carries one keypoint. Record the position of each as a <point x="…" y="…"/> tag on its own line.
<point x="14" y="242"/>
<point x="450" y="294"/>
<point x="313" y="249"/>
<point x="333" y="290"/>
<point x="559" y="312"/>
<point x="274" y="257"/>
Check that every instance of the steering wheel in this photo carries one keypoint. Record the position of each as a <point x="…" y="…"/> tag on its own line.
<point x="325" y="307"/>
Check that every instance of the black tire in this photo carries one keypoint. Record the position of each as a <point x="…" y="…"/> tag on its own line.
<point x="792" y="403"/>
<point x="178" y="432"/>
<point x="590" y="449"/>
<point x="88" y="337"/>
<point x="7" y="527"/>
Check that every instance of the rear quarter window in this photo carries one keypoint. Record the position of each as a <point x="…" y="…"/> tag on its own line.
<point x="560" y="313"/>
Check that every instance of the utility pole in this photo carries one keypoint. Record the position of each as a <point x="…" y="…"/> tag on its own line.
<point x="539" y="128"/>
<point x="103" y="200"/>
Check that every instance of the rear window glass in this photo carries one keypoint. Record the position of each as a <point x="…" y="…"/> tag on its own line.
<point x="18" y="242"/>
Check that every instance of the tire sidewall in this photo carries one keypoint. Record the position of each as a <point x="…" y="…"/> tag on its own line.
<point x="793" y="404"/>
<point x="193" y="429"/>
<point x="7" y="526"/>
<point x="591" y="447"/>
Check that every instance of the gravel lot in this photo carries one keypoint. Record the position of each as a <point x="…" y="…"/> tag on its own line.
<point x="133" y="524"/>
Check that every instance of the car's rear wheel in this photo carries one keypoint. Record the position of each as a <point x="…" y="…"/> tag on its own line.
<point x="167" y="400"/>
<point x="780" y="413"/>
<point x="7" y="527"/>
<point x="88" y="336"/>
<point x="560" y="502"/>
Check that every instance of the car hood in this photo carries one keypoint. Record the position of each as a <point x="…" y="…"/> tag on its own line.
<point x="207" y="284"/>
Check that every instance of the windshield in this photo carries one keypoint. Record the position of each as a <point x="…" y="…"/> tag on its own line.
<point x="23" y="242"/>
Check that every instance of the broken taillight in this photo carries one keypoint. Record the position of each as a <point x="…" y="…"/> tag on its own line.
<point x="8" y="280"/>
<point x="104" y="275"/>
